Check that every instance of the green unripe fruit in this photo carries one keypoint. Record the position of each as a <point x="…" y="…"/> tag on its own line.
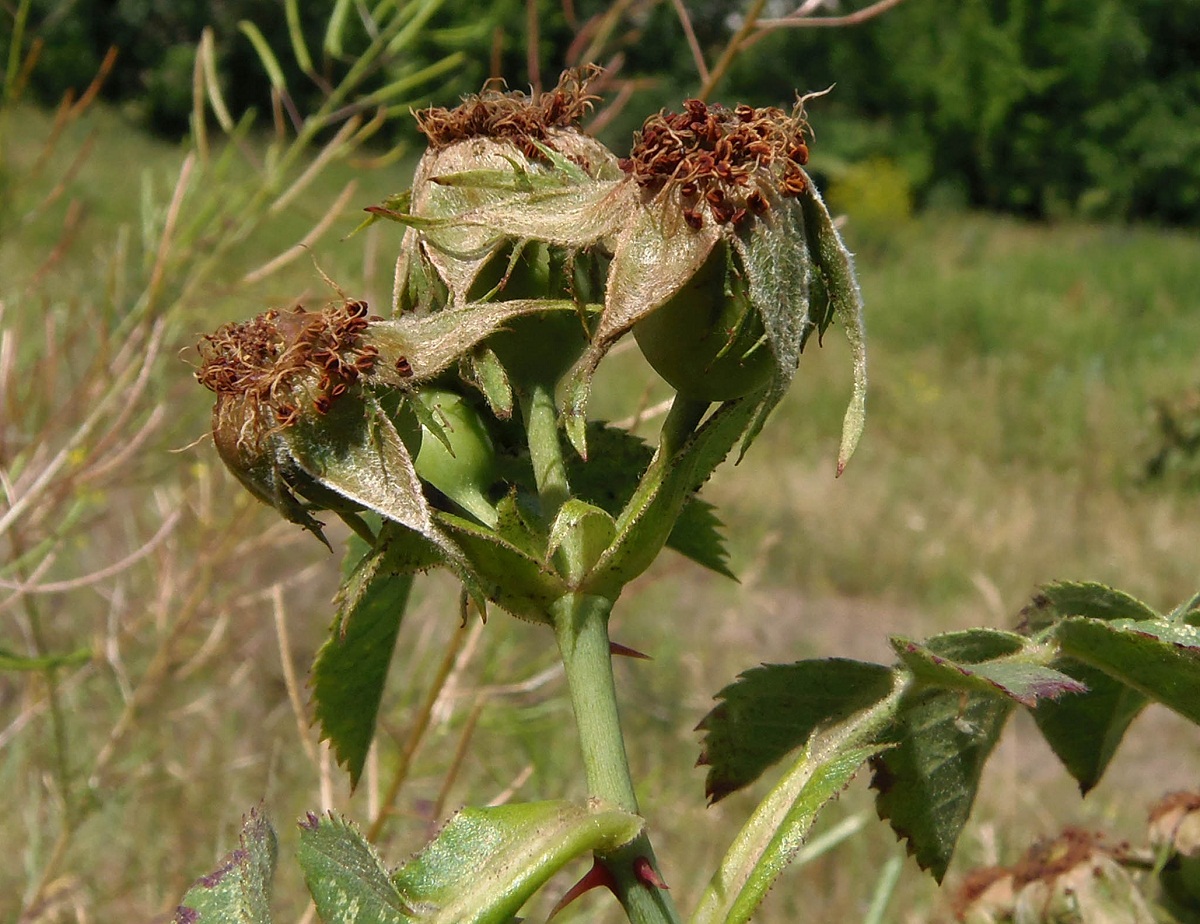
<point x="707" y="341"/>
<point x="466" y="469"/>
<point x="539" y="347"/>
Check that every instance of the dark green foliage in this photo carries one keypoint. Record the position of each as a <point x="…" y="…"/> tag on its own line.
<point x="771" y="710"/>
<point x="927" y="783"/>
<point x="351" y="668"/>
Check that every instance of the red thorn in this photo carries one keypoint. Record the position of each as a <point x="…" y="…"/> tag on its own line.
<point x="841" y="467"/>
<point x="618" y="649"/>
<point x="598" y="875"/>
<point x="646" y="874"/>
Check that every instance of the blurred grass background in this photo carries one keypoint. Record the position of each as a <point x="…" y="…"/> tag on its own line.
<point x="1014" y="371"/>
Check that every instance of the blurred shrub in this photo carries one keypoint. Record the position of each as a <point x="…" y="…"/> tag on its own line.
<point x="875" y="194"/>
<point x="1040" y="107"/>
<point x="1174" y="456"/>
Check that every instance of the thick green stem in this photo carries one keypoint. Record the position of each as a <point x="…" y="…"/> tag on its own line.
<point x="545" y="448"/>
<point x="581" y="627"/>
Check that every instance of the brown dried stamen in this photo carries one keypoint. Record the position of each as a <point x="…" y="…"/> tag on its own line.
<point x="267" y="361"/>
<point x="731" y="161"/>
<point x="513" y="116"/>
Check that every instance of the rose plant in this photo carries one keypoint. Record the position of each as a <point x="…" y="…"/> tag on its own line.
<point x="453" y="431"/>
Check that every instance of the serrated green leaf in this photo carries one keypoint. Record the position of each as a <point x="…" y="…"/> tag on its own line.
<point x="1156" y="658"/>
<point x="926" y="784"/>
<point x="485" y="863"/>
<point x="350" y="669"/>
<point x="649" y="517"/>
<point x="1084" y="731"/>
<point x="1018" y="675"/>
<point x="345" y="876"/>
<point x="771" y="710"/>
<point x="1096" y="601"/>
<point x="238" y="891"/>
<point x="697" y="535"/>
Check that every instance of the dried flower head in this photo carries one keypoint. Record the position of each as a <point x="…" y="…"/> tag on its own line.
<point x="509" y="115"/>
<point x="726" y="163"/>
<point x="280" y="360"/>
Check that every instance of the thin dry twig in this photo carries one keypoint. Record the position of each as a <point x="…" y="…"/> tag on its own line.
<point x="103" y="574"/>
<point x="800" y="19"/>
<point x="289" y="674"/>
<point x="732" y="50"/>
<point x="305" y="244"/>
<point x="697" y="55"/>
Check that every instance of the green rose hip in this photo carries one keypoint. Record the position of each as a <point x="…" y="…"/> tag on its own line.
<point x="460" y="461"/>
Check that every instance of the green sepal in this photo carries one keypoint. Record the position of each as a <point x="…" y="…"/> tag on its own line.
<point x="350" y="669"/>
<point x="518" y="581"/>
<point x="485" y="371"/>
<point x="355" y="451"/>
<point x="835" y="267"/>
<point x="486" y="862"/>
<point x="774" y="709"/>
<point x="779" y="272"/>
<point x="1009" y="666"/>
<point x="926" y="784"/>
<point x="239" y="889"/>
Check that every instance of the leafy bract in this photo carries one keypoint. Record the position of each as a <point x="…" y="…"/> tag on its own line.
<point x="926" y="784"/>
<point x="517" y="579"/>
<point x="239" y="888"/>
<point x="480" y="869"/>
<point x="774" y="709"/>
